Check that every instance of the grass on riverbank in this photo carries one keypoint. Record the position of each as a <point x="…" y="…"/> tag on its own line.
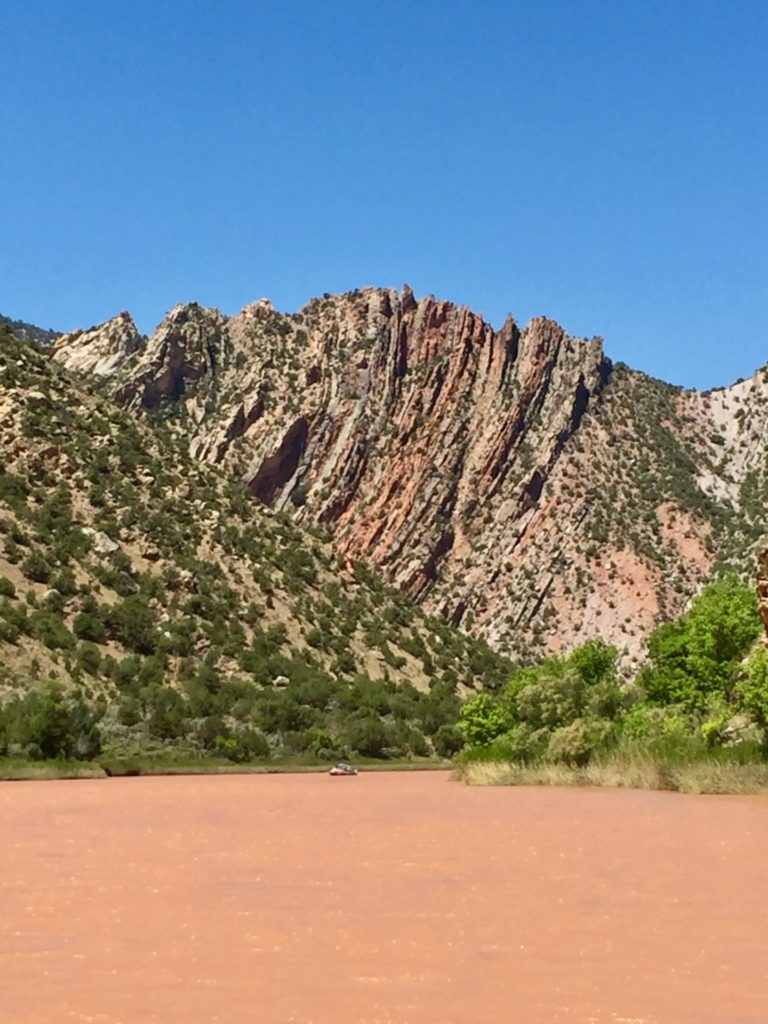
<point x="17" y="768"/>
<point x="635" y="772"/>
<point x="20" y="769"/>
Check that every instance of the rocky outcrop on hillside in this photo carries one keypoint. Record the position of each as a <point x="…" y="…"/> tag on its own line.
<point x="147" y="603"/>
<point x="514" y="480"/>
<point x="99" y="350"/>
<point x="96" y="508"/>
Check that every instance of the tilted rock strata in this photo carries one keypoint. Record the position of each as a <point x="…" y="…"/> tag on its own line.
<point x="106" y="510"/>
<point x="515" y="481"/>
<point x="99" y="350"/>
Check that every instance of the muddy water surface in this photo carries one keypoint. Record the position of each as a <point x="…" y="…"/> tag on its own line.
<point x="385" y="899"/>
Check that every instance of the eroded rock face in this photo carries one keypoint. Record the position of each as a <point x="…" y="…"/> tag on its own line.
<point x="512" y="480"/>
<point x="99" y="350"/>
<point x="187" y="347"/>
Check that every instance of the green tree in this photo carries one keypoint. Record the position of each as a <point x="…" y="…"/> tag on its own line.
<point x="368" y="735"/>
<point x="595" y="661"/>
<point x="133" y="622"/>
<point x="752" y="691"/>
<point x="555" y="698"/>
<point x="482" y="719"/>
<point x="50" y="630"/>
<point x="447" y="741"/>
<point x="243" y="746"/>
<point x="36" y="568"/>
<point x="89" y="626"/>
<point x="694" y="658"/>
<point x="89" y="659"/>
<point x="48" y="722"/>
<point x="166" y="712"/>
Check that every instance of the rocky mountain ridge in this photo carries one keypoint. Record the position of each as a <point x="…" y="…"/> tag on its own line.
<point x="29" y="332"/>
<point x="183" y="611"/>
<point x="515" y="481"/>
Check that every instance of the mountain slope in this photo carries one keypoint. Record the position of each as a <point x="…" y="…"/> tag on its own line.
<point x="28" y="332"/>
<point x="515" y="481"/>
<point x="170" y="595"/>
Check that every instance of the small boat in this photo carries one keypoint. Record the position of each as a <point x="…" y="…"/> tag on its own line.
<point x="342" y="768"/>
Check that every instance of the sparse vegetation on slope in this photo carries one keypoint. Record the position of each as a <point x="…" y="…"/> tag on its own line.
<point x="516" y="481"/>
<point x="28" y="332"/>
<point x="147" y="603"/>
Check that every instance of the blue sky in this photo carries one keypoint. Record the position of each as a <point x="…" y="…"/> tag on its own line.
<point x="601" y="163"/>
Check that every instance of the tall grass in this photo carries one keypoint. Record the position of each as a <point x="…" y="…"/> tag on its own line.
<point x="14" y="769"/>
<point x="624" y="770"/>
<point x="678" y="761"/>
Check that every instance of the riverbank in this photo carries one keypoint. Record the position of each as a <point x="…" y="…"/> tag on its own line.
<point x="638" y="772"/>
<point x="22" y="770"/>
<point x="649" y="773"/>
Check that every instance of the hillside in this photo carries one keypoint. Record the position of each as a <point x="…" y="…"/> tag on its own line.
<point x="516" y="482"/>
<point x="183" y="611"/>
<point x="28" y="332"/>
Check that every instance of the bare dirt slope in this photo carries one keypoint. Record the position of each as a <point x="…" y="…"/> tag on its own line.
<point x="386" y="899"/>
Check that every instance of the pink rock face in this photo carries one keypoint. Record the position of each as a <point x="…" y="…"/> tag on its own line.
<point x="507" y="479"/>
<point x="393" y="897"/>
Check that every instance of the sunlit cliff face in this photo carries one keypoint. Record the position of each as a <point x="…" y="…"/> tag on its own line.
<point x="514" y="480"/>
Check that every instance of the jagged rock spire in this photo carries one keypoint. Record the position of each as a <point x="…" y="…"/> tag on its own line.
<point x="99" y="350"/>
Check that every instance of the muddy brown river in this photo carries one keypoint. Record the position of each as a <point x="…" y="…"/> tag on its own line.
<point x="392" y="898"/>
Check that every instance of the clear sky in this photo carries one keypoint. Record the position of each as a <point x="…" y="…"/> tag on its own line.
<point x="602" y="163"/>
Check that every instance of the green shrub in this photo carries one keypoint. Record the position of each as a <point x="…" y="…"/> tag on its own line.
<point x="50" y="630"/>
<point x="554" y="699"/>
<point x="89" y="659"/>
<point x="447" y="741"/>
<point x="36" y="568"/>
<point x="248" y="745"/>
<point x="134" y="623"/>
<point x="483" y="719"/>
<point x="368" y="735"/>
<point x="49" y="723"/>
<point x="696" y="656"/>
<point x="575" y="743"/>
<point x="89" y="626"/>
<point x="64" y="582"/>
<point x="752" y="691"/>
<point x="167" y="712"/>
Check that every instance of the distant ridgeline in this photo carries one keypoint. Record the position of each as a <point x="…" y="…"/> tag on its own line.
<point x="28" y="332"/>
<point x="515" y="482"/>
<point x="150" y="606"/>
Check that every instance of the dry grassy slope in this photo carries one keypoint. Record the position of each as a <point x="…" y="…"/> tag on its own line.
<point x="515" y="481"/>
<point x="97" y="508"/>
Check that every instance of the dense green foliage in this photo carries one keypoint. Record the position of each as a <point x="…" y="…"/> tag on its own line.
<point x="693" y="659"/>
<point x="696" y="697"/>
<point x="47" y="723"/>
